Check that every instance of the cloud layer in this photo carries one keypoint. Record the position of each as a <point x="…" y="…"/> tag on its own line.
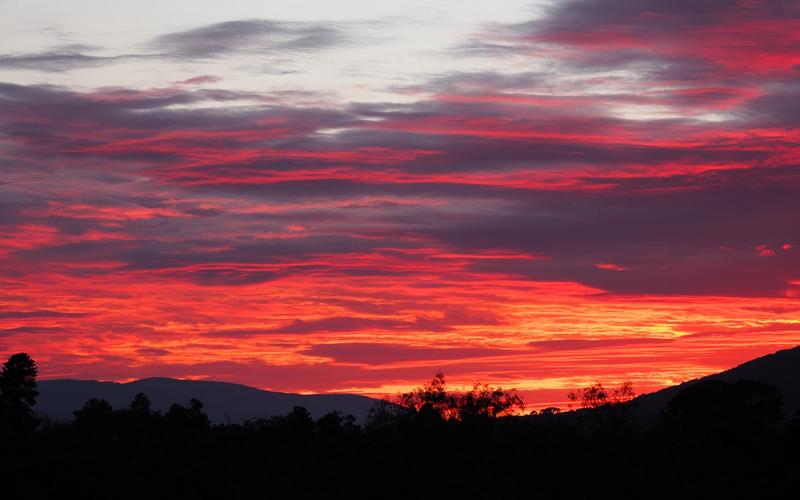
<point x="629" y="209"/>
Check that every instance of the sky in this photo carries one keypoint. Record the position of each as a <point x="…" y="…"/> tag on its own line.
<point x="316" y="196"/>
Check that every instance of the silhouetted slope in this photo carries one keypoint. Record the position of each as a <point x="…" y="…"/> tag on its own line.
<point x="222" y="401"/>
<point x="781" y="369"/>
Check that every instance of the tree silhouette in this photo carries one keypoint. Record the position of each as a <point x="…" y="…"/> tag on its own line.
<point x="486" y="401"/>
<point x="93" y="412"/>
<point x="18" y="393"/>
<point x="431" y="397"/>
<point x="596" y="396"/>
<point x="140" y="405"/>
<point x="547" y="412"/>
<point x="483" y="401"/>
<point x="188" y="418"/>
<point x="383" y="414"/>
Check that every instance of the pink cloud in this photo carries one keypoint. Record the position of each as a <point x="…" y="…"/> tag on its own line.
<point x="199" y="80"/>
<point x="610" y="267"/>
<point x="764" y="251"/>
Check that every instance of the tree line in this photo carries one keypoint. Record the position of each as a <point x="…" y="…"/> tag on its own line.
<point x="725" y="439"/>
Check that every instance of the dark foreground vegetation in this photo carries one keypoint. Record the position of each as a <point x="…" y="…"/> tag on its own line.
<point x="724" y="440"/>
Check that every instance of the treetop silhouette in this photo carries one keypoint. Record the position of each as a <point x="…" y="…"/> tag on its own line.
<point x="18" y="380"/>
<point x="483" y="401"/>
<point x="597" y="396"/>
<point x="18" y="394"/>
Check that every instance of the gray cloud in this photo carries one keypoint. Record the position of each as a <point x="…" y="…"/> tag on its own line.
<point x="248" y="36"/>
<point x="56" y="61"/>
<point x="604" y="16"/>
<point x="779" y="106"/>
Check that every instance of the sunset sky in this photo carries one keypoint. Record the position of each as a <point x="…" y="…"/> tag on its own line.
<point x="319" y="196"/>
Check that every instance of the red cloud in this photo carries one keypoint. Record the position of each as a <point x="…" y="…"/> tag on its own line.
<point x="610" y="267"/>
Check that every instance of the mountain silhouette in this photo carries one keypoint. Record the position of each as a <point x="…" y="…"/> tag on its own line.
<point x="781" y="369"/>
<point x="223" y="402"/>
<point x="226" y="402"/>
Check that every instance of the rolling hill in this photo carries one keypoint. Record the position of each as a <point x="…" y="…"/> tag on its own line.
<point x="223" y="402"/>
<point x="781" y="369"/>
